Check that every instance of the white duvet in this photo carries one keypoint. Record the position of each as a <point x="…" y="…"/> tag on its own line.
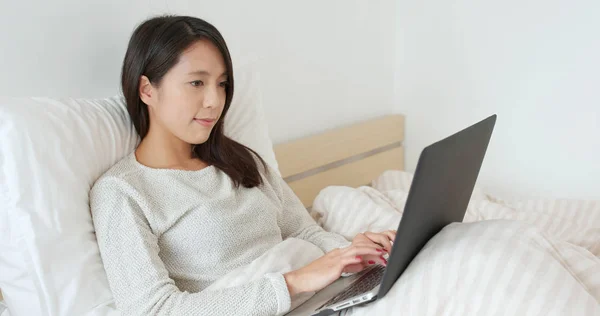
<point x="526" y="258"/>
<point x="538" y="257"/>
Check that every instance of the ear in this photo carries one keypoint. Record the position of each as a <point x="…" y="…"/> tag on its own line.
<point x="146" y="91"/>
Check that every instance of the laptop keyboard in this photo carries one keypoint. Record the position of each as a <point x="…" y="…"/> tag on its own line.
<point x="365" y="283"/>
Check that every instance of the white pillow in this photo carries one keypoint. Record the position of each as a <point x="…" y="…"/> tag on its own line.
<point x="246" y="121"/>
<point x="51" y="153"/>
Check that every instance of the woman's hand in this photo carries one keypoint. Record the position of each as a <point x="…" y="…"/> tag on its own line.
<point x="381" y="241"/>
<point x="328" y="268"/>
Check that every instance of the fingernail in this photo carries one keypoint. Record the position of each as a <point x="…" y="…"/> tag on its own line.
<point x="371" y="262"/>
<point x="378" y="249"/>
<point x="384" y="261"/>
<point x="359" y="257"/>
<point x="385" y="250"/>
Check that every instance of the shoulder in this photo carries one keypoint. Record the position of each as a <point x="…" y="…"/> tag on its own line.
<point x="123" y="169"/>
<point x="269" y="174"/>
<point x="273" y="183"/>
<point x="116" y="182"/>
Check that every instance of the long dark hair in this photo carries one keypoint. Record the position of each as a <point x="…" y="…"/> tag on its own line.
<point x="153" y="49"/>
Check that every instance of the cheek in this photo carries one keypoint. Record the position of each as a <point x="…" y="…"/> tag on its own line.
<point x="176" y="107"/>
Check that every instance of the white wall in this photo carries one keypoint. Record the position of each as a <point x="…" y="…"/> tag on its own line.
<point x="323" y="63"/>
<point x="328" y="63"/>
<point x="534" y="62"/>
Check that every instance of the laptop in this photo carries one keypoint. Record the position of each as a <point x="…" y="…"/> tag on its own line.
<point x="439" y="195"/>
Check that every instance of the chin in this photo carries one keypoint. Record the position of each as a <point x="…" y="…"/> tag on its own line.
<point x="199" y="140"/>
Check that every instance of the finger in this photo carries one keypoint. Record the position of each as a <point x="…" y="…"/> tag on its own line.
<point x="380" y="239"/>
<point x="369" y="243"/>
<point x="385" y="240"/>
<point x="366" y="262"/>
<point x="350" y="260"/>
<point x="390" y="234"/>
<point x="383" y="261"/>
<point x="370" y="260"/>
<point x="362" y="251"/>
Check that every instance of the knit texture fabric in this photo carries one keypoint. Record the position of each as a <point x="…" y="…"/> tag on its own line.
<point x="166" y="234"/>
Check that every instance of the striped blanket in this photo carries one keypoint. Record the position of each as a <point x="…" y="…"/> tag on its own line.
<point x="533" y="257"/>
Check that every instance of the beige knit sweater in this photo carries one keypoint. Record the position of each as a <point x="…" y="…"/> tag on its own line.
<point x="165" y="235"/>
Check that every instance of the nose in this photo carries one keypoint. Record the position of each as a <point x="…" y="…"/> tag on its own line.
<point x="211" y="98"/>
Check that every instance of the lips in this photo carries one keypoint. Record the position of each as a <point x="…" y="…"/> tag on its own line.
<point x="205" y="121"/>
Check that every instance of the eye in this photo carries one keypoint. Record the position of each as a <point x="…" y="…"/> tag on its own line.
<point x="197" y="83"/>
<point x="224" y="84"/>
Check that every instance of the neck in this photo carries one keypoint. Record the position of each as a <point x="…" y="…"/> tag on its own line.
<point x="161" y="149"/>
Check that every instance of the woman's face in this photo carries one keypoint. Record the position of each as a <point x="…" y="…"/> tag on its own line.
<point x="190" y="98"/>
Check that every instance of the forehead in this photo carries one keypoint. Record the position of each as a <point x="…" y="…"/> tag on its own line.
<point x="203" y="55"/>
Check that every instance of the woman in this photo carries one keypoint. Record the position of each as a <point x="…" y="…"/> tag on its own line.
<point x="190" y="204"/>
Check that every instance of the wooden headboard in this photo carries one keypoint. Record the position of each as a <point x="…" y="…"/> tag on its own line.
<point x="352" y="155"/>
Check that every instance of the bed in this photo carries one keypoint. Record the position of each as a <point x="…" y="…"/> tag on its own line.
<point x="525" y="257"/>
<point x="351" y="155"/>
<point x="365" y="161"/>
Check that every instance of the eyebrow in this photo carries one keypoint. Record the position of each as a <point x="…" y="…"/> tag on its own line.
<point x="204" y="73"/>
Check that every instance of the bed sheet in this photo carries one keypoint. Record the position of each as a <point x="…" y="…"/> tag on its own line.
<point x="525" y="257"/>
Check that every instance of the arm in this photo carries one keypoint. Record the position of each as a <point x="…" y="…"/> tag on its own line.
<point x="295" y="221"/>
<point x="138" y="278"/>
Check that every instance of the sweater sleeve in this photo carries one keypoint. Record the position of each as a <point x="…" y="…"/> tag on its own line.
<point x="138" y="278"/>
<point x="295" y="221"/>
